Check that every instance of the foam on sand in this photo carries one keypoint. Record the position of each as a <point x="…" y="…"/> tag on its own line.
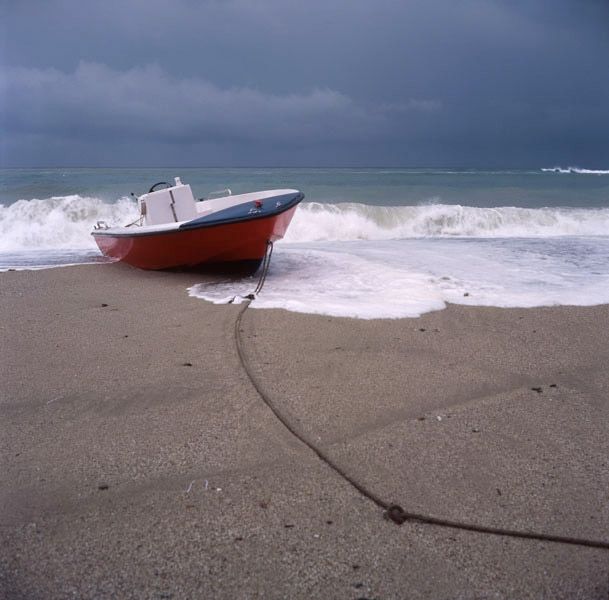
<point x="406" y="278"/>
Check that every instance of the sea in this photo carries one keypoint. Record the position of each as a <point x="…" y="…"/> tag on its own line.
<point x="366" y="242"/>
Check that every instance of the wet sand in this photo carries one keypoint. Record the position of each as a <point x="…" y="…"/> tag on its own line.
<point x="138" y="461"/>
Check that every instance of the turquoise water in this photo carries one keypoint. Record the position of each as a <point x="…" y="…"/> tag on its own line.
<point x="381" y="187"/>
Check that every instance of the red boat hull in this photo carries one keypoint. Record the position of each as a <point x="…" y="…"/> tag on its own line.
<point x="241" y="242"/>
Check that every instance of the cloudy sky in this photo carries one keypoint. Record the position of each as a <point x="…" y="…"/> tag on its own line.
<point x="471" y="83"/>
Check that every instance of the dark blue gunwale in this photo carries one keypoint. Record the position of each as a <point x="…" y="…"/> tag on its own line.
<point x="248" y="211"/>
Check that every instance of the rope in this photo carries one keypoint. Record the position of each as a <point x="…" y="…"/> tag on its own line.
<point x="392" y="512"/>
<point x="266" y="262"/>
<point x="138" y="221"/>
<point x="291" y="428"/>
<point x="398" y="515"/>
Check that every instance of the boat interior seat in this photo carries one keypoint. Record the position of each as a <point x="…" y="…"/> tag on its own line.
<point x="169" y="205"/>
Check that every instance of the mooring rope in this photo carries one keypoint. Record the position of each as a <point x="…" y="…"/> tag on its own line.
<point x="392" y="512"/>
<point x="266" y="262"/>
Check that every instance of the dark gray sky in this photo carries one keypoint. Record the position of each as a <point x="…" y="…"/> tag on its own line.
<point x="484" y="83"/>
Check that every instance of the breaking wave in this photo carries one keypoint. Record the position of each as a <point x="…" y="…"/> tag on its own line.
<point x="342" y="222"/>
<point x="576" y="170"/>
<point x="60" y="222"/>
<point x="65" y="222"/>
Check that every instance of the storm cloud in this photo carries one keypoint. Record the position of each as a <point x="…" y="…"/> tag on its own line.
<point x="340" y="82"/>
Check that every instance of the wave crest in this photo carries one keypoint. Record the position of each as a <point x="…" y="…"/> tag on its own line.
<point x="349" y="221"/>
<point x="577" y="170"/>
<point x="65" y="222"/>
<point x="60" y="222"/>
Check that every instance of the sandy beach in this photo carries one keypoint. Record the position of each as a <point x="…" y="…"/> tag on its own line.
<point x="139" y="461"/>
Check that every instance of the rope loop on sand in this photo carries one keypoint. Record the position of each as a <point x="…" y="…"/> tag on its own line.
<point x="391" y="512"/>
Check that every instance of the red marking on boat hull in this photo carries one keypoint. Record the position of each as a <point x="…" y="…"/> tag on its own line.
<point x="233" y="242"/>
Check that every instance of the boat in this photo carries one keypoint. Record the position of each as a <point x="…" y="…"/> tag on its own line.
<point x="175" y="231"/>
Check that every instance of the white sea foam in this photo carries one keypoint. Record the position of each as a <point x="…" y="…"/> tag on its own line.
<point x="369" y="262"/>
<point x="333" y="222"/>
<point x="65" y="222"/>
<point x="406" y="278"/>
<point x="577" y="170"/>
<point x="58" y="223"/>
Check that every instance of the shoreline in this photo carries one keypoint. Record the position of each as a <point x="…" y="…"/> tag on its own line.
<point x="122" y="396"/>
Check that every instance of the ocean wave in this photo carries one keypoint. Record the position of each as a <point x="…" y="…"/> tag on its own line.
<point x="350" y="221"/>
<point x="65" y="222"/>
<point x="60" y="222"/>
<point x="577" y="170"/>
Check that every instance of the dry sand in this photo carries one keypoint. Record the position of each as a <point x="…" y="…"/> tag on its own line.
<point x="138" y="461"/>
